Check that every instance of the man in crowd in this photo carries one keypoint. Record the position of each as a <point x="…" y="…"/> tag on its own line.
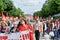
<point x="37" y="27"/>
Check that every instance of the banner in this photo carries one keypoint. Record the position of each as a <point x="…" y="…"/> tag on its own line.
<point x="23" y="35"/>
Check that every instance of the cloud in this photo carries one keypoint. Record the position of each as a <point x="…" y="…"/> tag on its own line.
<point x="29" y="6"/>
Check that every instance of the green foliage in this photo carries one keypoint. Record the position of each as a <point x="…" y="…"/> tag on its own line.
<point x="50" y="8"/>
<point x="1" y="6"/>
<point x="15" y="12"/>
<point x="9" y="9"/>
<point x="9" y="5"/>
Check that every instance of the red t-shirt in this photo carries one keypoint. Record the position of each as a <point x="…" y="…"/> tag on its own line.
<point x="28" y="27"/>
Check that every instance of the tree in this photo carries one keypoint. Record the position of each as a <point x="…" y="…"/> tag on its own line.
<point x="50" y="8"/>
<point x="9" y="9"/>
<point x="2" y="7"/>
<point x="16" y="12"/>
<point x="38" y="13"/>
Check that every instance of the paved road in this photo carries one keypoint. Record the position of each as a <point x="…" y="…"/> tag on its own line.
<point x="43" y="38"/>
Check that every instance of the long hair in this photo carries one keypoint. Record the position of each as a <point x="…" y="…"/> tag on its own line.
<point x="23" y="20"/>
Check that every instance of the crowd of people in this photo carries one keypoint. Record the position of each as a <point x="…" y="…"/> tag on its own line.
<point x="34" y="25"/>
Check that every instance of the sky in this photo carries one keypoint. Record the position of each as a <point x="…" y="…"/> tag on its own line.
<point x="29" y="6"/>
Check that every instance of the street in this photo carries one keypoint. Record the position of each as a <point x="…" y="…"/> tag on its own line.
<point x="43" y="38"/>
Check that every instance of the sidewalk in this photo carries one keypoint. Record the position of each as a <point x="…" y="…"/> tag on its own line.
<point x="43" y="38"/>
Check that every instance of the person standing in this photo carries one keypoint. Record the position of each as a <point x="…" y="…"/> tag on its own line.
<point x="10" y="24"/>
<point x="5" y="27"/>
<point x="26" y="27"/>
<point x="0" y="27"/>
<point x="14" y="28"/>
<point x="37" y="28"/>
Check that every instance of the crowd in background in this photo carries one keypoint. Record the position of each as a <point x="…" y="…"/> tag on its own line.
<point x="51" y="28"/>
<point x="13" y="24"/>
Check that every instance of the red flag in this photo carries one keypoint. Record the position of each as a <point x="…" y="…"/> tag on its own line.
<point x="3" y="17"/>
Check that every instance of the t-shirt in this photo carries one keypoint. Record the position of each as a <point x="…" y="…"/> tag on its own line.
<point x="22" y="28"/>
<point x="37" y="27"/>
